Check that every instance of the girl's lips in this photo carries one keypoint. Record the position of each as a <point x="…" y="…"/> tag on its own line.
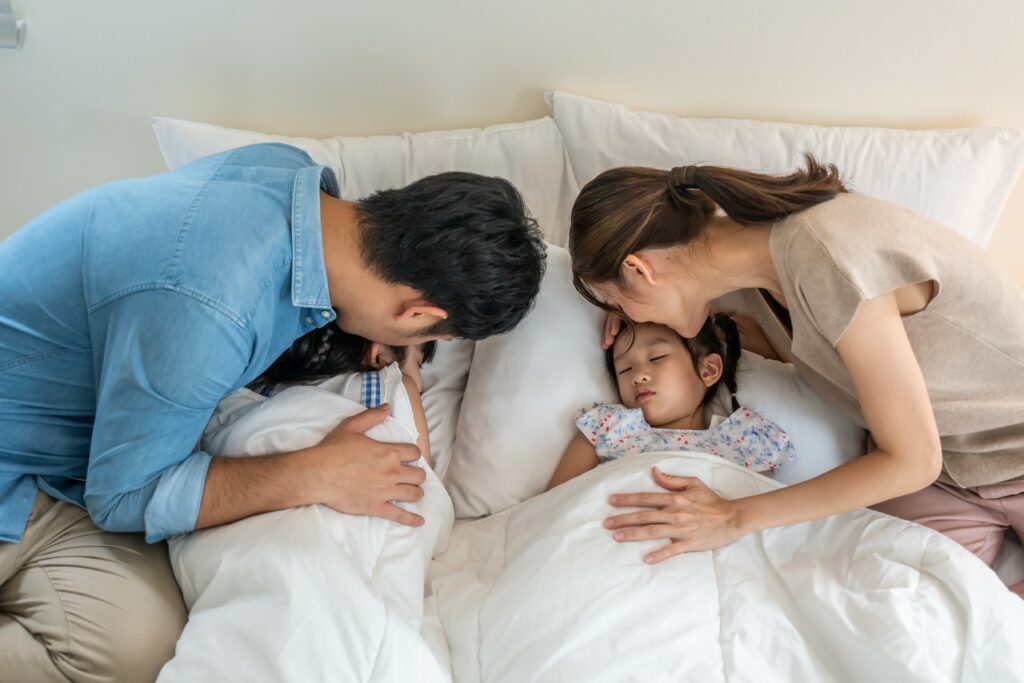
<point x="644" y="394"/>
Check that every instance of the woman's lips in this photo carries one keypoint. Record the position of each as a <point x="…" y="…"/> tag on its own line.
<point x="643" y="395"/>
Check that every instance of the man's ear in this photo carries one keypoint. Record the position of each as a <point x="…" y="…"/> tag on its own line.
<point x="422" y="310"/>
<point x="710" y="369"/>
<point x="639" y="267"/>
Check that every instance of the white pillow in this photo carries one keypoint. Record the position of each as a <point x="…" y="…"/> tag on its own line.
<point x="960" y="178"/>
<point x="523" y="391"/>
<point x="823" y="437"/>
<point x="530" y="155"/>
<point x="444" y="381"/>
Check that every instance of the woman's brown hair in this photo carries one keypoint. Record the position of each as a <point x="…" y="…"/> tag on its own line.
<point x="626" y="210"/>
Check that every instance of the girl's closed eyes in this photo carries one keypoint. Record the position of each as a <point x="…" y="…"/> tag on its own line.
<point x="665" y="383"/>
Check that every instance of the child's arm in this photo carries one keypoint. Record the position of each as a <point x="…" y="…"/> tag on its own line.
<point x="419" y="415"/>
<point x="578" y="458"/>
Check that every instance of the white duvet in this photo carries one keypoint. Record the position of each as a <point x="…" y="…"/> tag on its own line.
<point x="308" y="594"/>
<point x="541" y="592"/>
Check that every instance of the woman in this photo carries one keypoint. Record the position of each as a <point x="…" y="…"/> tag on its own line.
<point x="903" y="323"/>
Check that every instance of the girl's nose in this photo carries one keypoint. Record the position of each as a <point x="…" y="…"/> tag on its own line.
<point x="642" y="377"/>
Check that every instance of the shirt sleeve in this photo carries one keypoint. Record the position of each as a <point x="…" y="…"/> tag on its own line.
<point x="839" y="261"/>
<point x="602" y="424"/>
<point x="828" y="294"/>
<point x="163" y="360"/>
<point x="772" y="446"/>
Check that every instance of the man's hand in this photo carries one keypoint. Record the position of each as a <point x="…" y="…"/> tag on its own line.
<point x="360" y="476"/>
<point x="347" y="471"/>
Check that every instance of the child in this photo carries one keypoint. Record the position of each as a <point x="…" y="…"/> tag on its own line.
<point x="665" y="382"/>
<point x="329" y="351"/>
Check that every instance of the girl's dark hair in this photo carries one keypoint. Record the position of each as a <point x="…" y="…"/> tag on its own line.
<point x="626" y="210"/>
<point x="718" y="335"/>
<point x="323" y="353"/>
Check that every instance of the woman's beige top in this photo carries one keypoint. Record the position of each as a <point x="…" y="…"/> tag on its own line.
<point x="969" y="340"/>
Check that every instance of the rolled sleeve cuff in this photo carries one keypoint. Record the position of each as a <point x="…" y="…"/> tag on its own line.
<point x="174" y="507"/>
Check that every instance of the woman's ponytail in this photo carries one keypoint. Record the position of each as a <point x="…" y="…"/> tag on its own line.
<point x="626" y="210"/>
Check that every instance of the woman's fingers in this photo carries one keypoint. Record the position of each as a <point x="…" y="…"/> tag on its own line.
<point x="666" y="551"/>
<point x="641" y="500"/>
<point x="646" y="533"/>
<point x="674" y="483"/>
<point x="612" y="326"/>
<point x="639" y="518"/>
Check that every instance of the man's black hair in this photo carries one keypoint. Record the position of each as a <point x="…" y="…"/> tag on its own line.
<point x="462" y="240"/>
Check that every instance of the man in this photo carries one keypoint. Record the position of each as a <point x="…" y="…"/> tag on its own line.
<point x="128" y="312"/>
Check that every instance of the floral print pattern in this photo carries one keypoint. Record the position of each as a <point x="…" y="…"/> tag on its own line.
<point x="745" y="437"/>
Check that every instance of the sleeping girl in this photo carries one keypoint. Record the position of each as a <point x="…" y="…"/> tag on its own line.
<point x="666" y="383"/>
<point x="310" y="593"/>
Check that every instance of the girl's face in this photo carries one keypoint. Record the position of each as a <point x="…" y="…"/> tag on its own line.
<point x="655" y="373"/>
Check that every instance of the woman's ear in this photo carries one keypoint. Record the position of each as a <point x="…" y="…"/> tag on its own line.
<point x="639" y="268"/>
<point x="711" y="369"/>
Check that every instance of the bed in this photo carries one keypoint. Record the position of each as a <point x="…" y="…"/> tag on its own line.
<point x="521" y="585"/>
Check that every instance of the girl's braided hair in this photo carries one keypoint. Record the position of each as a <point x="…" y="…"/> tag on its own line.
<point x="323" y="353"/>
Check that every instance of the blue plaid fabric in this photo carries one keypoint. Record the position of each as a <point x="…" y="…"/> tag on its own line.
<point x="371" y="397"/>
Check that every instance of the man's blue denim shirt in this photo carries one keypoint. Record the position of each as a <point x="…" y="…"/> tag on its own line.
<point x="128" y="312"/>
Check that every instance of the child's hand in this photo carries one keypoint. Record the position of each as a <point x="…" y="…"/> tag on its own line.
<point x="692" y="516"/>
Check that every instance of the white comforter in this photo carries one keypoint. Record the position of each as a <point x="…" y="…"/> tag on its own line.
<point x="540" y="592"/>
<point x="308" y="594"/>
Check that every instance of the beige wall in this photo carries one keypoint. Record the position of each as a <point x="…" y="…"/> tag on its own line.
<point x="75" y="102"/>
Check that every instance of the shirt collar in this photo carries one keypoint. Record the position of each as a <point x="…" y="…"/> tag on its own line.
<point x="309" y="275"/>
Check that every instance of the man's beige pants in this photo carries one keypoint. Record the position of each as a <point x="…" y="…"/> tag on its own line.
<point x="81" y="604"/>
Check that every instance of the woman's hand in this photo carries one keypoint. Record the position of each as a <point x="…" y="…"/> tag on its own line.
<point x="692" y="516"/>
<point x="612" y="326"/>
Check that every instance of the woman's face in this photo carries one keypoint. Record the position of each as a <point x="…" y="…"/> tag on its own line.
<point x="674" y="306"/>
<point x="655" y="373"/>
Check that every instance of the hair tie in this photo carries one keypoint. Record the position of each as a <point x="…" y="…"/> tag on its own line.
<point x="683" y="177"/>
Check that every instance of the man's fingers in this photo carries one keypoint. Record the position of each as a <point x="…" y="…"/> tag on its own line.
<point x="397" y="514"/>
<point x="410" y="474"/>
<point x="407" y="493"/>
<point x="366" y="420"/>
<point x="405" y="452"/>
